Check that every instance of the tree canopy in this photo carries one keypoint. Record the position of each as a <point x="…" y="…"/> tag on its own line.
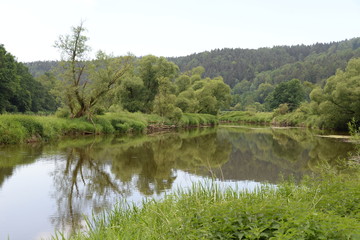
<point x="19" y="91"/>
<point x="84" y="83"/>
<point x="291" y="93"/>
<point x="339" y="101"/>
<point x="156" y="86"/>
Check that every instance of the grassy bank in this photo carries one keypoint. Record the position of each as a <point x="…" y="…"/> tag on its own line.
<point x="296" y="118"/>
<point x="31" y="128"/>
<point x="326" y="207"/>
<point x="246" y="117"/>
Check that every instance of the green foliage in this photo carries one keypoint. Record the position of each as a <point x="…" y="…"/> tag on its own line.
<point x="263" y="92"/>
<point x="326" y="207"/>
<point x="125" y="122"/>
<point x="11" y="132"/>
<point x="152" y="77"/>
<point x="19" y="92"/>
<point x="253" y="74"/>
<point x="187" y="101"/>
<point x="164" y="102"/>
<point x="204" y="95"/>
<point x="282" y="109"/>
<point x="246" y="116"/>
<point x="246" y="70"/>
<point x="338" y="102"/>
<point x="63" y="112"/>
<point x="333" y="106"/>
<point x="131" y="94"/>
<point x="83" y="84"/>
<point x="182" y="83"/>
<point x="312" y="63"/>
<point x="192" y="120"/>
<point x="151" y="70"/>
<point x="25" y="128"/>
<point x="291" y="93"/>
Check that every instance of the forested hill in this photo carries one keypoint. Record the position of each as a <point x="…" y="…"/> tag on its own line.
<point x="312" y="63"/>
<point x="38" y="68"/>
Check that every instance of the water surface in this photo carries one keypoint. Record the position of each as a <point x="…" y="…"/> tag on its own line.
<point x="49" y="187"/>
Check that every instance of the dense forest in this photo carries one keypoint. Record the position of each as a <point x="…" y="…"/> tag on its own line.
<point x="19" y="91"/>
<point x="312" y="63"/>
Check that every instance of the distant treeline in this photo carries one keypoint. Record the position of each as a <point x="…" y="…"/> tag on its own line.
<point x="312" y="63"/>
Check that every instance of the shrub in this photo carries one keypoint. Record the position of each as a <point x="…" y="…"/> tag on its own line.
<point x="11" y="132"/>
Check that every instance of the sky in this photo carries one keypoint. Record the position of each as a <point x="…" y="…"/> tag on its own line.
<point x="29" y="29"/>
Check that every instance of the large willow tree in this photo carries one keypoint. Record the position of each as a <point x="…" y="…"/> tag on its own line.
<point x="339" y="101"/>
<point x="84" y="83"/>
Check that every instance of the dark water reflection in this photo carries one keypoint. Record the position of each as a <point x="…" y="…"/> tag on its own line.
<point x="90" y="174"/>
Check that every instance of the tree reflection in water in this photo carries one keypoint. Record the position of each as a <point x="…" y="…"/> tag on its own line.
<point x="95" y="174"/>
<point x="82" y="182"/>
<point x="12" y="156"/>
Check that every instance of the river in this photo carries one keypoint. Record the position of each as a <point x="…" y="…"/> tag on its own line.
<point x="48" y="187"/>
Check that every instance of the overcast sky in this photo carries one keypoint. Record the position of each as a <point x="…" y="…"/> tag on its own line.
<point x="29" y="28"/>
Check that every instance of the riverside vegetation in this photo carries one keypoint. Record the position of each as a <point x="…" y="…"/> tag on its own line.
<point x="326" y="206"/>
<point x="27" y="128"/>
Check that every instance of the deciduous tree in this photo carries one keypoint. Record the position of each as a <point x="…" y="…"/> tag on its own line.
<point x="292" y="93"/>
<point x="84" y="83"/>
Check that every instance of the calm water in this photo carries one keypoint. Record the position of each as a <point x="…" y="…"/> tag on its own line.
<point x="48" y="187"/>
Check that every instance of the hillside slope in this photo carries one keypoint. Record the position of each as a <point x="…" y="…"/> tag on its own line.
<point x="312" y="63"/>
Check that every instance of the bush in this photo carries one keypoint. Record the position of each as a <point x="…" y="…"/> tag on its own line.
<point x="11" y="132"/>
<point x="62" y="112"/>
<point x="126" y="122"/>
<point x="282" y="109"/>
<point x="246" y="116"/>
<point x="197" y="119"/>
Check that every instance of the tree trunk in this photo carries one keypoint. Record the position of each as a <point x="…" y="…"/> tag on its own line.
<point x="81" y="113"/>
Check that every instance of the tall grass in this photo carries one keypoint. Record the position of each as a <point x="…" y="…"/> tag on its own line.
<point x="27" y="128"/>
<point x="197" y="119"/>
<point x="326" y="206"/>
<point x="246" y="116"/>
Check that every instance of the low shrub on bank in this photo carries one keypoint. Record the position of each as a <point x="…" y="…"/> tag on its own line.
<point x="326" y="207"/>
<point x="123" y="122"/>
<point x="246" y="116"/>
<point x="197" y="119"/>
<point x="295" y="118"/>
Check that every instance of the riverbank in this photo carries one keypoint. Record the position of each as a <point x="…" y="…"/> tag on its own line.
<point x="326" y="207"/>
<point x="32" y="128"/>
<point x="246" y="117"/>
<point x="290" y="119"/>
